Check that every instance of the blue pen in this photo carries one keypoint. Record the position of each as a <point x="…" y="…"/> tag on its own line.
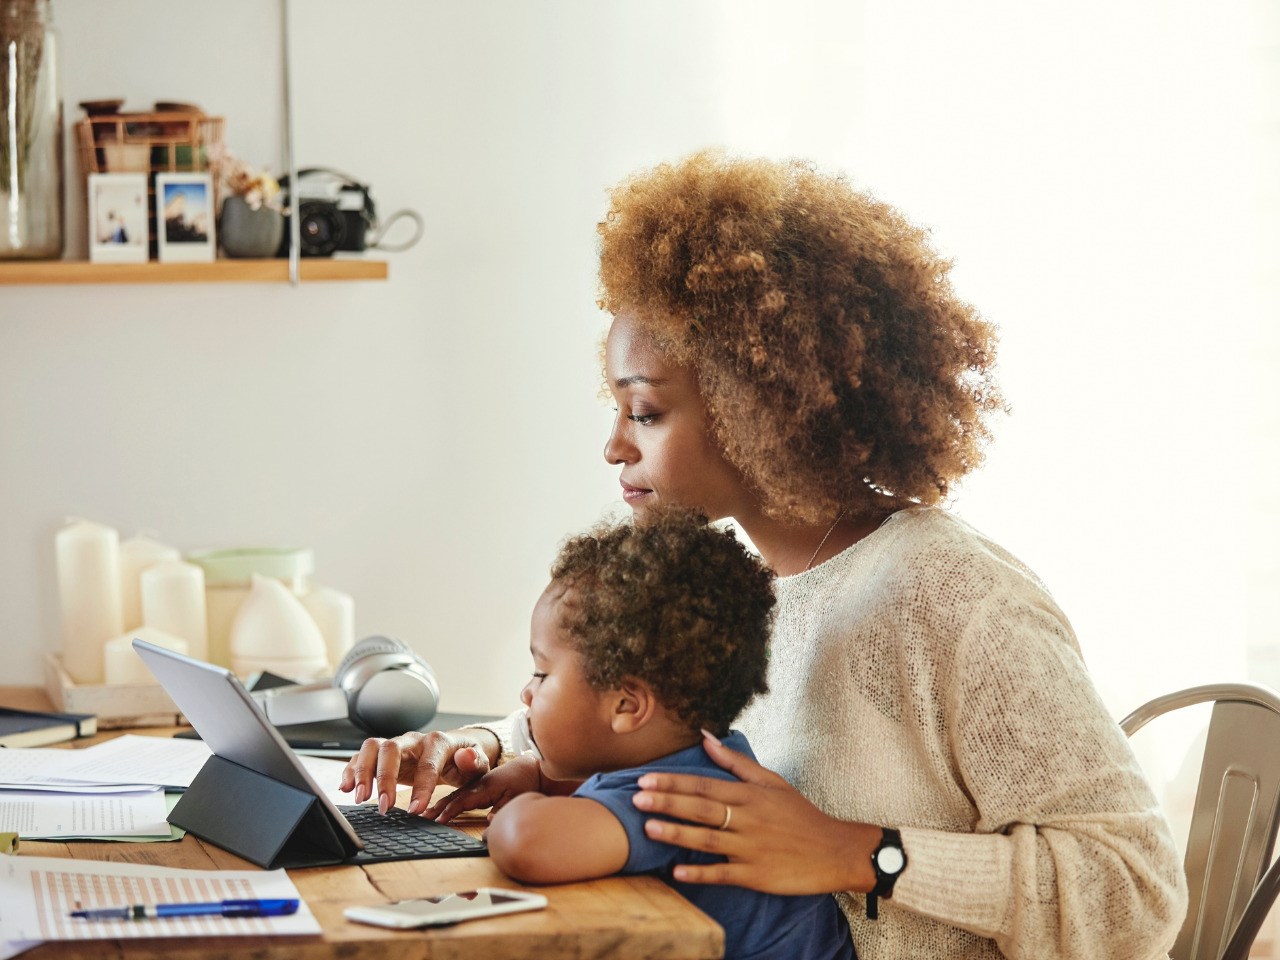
<point x="220" y="908"/>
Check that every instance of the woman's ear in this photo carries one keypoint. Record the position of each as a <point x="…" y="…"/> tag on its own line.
<point x="633" y="706"/>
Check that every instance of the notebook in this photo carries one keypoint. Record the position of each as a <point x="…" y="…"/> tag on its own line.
<point x="253" y="796"/>
<point x="36" y="728"/>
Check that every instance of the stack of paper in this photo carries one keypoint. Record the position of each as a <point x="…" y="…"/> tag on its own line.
<point x="82" y="794"/>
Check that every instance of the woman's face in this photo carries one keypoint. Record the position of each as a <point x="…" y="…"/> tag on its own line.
<point x="660" y="436"/>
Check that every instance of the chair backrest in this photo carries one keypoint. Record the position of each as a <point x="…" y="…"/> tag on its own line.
<point x="1236" y="813"/>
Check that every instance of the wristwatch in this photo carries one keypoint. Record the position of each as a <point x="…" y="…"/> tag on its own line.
<point x="888" y="860"/>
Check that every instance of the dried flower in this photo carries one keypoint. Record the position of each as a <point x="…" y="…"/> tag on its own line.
<point x="257" y="187"/>
<point x="22" y="41"/>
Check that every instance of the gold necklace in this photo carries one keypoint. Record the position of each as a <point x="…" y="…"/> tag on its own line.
<point x="823" y="541"/>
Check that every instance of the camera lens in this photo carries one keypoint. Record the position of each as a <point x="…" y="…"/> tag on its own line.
<point x="320" y="228"/>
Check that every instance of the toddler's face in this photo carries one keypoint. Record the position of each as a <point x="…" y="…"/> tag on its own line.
<point x="568" y="718"/>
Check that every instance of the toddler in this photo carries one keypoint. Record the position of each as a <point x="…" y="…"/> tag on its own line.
<point x="647" y="635"/>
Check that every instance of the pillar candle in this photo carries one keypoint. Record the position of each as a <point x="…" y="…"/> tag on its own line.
<point x="122" y="663"/>
<point x="173" y="601"/>
<point x="334" y="613"/>
<point x="136" y="554"/>
<point x="88" y="558"/>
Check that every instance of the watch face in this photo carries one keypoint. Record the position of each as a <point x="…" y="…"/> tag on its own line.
<point x="890" y="860"/>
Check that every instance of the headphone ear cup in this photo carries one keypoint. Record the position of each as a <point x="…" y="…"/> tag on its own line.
<point x="389" y="688"/>
<point x="367" y="646"/>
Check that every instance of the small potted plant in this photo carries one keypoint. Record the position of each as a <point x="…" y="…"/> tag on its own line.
<point x="251" y="222"/>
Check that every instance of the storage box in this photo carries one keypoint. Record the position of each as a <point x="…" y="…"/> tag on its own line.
<point x="116" y="705"/>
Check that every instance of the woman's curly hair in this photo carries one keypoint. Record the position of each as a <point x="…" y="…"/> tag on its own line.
<point x="674" y="602"/>
<point x="839" y="368"/>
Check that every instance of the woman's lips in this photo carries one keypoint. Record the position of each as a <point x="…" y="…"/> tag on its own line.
<point x="630" y="493"/>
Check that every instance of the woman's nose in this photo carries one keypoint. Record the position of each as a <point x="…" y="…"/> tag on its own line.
<point x="619" y="448"/>
<point x="526" y="694"/>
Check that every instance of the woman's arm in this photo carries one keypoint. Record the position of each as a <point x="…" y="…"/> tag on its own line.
<point x="541" y="839"/>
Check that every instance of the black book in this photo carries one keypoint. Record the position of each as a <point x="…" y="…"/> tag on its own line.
<point x="37" y="728"/>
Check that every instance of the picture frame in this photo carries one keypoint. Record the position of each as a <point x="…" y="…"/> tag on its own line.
<point x="185" y="218"/>
<point x="117" y="217"/>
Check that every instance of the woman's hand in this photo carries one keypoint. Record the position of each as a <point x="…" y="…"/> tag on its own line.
<point x="497" y="788"/>
<point x="423" y="760"/>
<point x="775" y="840"/>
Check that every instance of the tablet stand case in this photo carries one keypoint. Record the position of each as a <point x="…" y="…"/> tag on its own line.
<point x="269" y="823"/>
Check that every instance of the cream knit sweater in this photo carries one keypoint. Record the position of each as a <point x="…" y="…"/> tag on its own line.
<point x="924" y="679"/>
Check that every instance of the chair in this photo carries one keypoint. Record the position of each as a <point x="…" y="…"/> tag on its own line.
<point x="1234" y="821"/>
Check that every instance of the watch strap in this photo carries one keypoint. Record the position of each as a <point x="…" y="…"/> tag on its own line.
<point x="884" y="880"/>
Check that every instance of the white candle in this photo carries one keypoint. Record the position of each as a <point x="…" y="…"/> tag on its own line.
<point x="88" y="557"/>
<point x="136" y="554"/>
<point x="273" y="631"/>
<point x="334" y="613"/>
<point x="173" y="601"/>
<point x="123" y="665"/>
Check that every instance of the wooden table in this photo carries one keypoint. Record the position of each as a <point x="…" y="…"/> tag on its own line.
<point x="618" y="917"/>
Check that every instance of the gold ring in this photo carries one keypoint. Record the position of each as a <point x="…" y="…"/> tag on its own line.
<point x="728" y="815"/>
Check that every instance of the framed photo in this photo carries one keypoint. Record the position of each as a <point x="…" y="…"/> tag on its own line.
<point x="184" y="217"/>
<point x="118" y="218"/>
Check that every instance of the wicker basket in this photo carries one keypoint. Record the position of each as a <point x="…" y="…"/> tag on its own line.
<point x="150" y="143"/>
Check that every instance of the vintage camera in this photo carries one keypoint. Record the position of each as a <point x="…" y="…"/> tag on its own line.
<point x="335" y="212"/>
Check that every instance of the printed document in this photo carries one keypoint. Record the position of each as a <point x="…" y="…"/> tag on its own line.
<point x="37" y="895"/>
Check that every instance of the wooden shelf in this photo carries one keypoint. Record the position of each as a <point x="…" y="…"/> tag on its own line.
<point x="57" y="272"/>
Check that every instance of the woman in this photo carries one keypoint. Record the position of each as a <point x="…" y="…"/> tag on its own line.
<point x="788" y="352"/>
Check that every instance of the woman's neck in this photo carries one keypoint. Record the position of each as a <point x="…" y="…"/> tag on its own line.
<point x="791" y="548"/>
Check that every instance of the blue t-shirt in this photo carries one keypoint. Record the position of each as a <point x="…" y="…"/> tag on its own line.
<point x="756" y="925"/>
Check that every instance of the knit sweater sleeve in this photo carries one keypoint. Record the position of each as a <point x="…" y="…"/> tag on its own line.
<point x="505" y="730"/>
<point x="1070" y="857"/>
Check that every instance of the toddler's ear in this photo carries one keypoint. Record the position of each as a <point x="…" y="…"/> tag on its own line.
<point x="633" y="706"/>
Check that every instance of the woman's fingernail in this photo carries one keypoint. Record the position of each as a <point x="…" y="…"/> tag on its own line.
<point x="415" y="805"/>
<point x="648" y="782"/>
<point x="654" y="828"/>
<point x="362" y="793"/>
<point x="709" y="735"/>
<point x="643" y="801"/>
<point x="384" y="802"/>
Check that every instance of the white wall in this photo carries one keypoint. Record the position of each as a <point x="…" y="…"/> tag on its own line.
<point x="432" y="437"/>
<point x="1103" y="175"/>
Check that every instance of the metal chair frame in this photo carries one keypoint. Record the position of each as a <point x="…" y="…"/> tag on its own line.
<point x="1234" y="821"/>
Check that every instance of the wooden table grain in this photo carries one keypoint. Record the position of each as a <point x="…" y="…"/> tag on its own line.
<point x="617" y="918"/>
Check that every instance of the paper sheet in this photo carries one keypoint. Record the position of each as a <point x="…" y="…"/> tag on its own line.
<point x="157" y="760"/>
<point x="37" y="895"/>
<point x="47" y="816"/>
<point x="148" y="761"/>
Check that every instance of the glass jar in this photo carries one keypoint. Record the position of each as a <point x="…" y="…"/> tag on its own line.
<point x="31" y="170"/>
<point x="228" y="577"/>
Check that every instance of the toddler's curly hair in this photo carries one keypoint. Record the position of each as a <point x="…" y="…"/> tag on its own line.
<point x="839" y="368"/>
<point x="672" y="601"/>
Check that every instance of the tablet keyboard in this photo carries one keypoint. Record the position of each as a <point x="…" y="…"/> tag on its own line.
<point x="401" y="836"/>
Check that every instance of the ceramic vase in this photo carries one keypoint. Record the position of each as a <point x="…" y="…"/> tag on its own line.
<point x="246" y="232"/>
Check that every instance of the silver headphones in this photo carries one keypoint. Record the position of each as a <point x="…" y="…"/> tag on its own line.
<point x="381" y="686"/>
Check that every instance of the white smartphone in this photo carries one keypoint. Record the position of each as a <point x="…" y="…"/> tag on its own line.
<point x="446" y="908"/>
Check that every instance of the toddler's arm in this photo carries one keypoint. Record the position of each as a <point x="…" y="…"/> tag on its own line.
<point x="541" y="839"/>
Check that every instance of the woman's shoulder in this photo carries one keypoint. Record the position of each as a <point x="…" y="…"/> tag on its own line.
<point x="949" y="570"/>
<point x="933" y="542"/>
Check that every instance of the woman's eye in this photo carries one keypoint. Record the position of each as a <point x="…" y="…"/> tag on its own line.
<point x="644" y="419"/>
<point x="539" y="676"/>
